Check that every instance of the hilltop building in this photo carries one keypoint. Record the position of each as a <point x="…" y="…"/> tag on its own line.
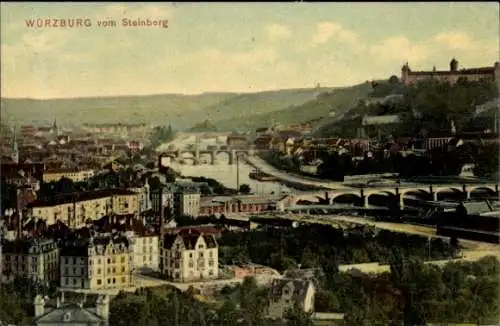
<point x="472" y="74"/>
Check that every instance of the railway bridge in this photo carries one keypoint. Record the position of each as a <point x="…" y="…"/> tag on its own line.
<point x="363" y="195"/>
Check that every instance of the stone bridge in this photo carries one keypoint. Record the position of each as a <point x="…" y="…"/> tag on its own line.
<point x="426" y="192"/>
<point x="196" y="154"/>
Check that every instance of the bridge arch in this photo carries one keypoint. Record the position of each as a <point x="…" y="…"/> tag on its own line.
<point x="355" y="196"/>
<point x="454" y="190"/>
<point x="345" y="193"/>
<point x="417" y="192"/>
<point x="182" y="153"/>
<point x="388" y="194"/>
<point x="490" y="190"/>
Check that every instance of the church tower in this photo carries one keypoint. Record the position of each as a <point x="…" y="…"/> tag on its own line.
<point x="15" y="150"/>
<point x="53" y="129"/>
<point x="454" y="65"/>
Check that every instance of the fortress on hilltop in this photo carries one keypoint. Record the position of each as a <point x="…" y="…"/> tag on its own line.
<point x="472" y="74"/>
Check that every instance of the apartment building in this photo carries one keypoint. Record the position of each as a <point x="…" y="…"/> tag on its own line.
<point x="76" y="209"/>
<point x="37" y="259"/>
<point x="163" y="197"/>
<point x="145" y="250"/>
<point x="144" y="197"/>
<point x="189" y="255"/>
<point x="187" y="202"/>
<point x="75" y="175"/>
<point x="103" y="262"/>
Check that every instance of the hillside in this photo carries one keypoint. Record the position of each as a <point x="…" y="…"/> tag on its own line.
<point x="182" y="111"/>
<point x="155" y="109"/>
<point x="338" y="100"/>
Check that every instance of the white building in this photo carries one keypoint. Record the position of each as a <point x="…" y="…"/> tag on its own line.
<point x="145" y="250"/>
<point x="187" y="202"/>
<point x="189" y="256"/>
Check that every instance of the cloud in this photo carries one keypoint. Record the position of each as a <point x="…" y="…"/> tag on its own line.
<point x="44" y="41"/>
<point x="239" y="59"/>
<point x="277" y="31"/>
<point x="454" y="40"/>
<point x="326" y="31"/>
<point x="116" y="11"/>
<point x="398" y="49"/>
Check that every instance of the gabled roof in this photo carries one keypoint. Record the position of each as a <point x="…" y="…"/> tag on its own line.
<point x="70" y="313"/>
<point x="299" y="288"/>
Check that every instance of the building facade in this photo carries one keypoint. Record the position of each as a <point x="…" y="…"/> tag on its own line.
<point x="145" y="250"/>
<point x="474" y="74"/>
<point x="189" y="256"/>
<point x="187" y="202"/>
<point x="75" y="209"/>
<point x="37" y="259"/>
<point x="74" y="175"/>
<point x="103" y="262"/>
<point x="144" y="197"/>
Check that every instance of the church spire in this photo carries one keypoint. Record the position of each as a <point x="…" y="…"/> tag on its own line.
<point x="15" y="149"/>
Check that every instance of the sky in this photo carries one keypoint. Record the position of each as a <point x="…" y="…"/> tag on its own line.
<point x="234" y="47"/>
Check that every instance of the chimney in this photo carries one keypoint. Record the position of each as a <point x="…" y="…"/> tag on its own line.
<point x="39" y="304"/>
<point x="102" y="307"/>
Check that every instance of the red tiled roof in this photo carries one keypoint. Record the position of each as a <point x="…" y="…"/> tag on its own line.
<point x="197" y="230"/>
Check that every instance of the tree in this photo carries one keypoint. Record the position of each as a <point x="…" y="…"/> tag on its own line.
<point x="244" y="189"/>
<point x="393" y="79"/>
<point x="298" y="317"/>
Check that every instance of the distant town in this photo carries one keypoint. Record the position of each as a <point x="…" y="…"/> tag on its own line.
<point x="370" y="217"/>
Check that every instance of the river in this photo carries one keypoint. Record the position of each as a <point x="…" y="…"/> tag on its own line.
<point x="221" y="170"/>
<point x="226" y="174"/>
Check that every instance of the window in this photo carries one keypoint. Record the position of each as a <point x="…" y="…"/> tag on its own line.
<point x="211" y="272"/>
<point x="114" y="270"/>
<point x="123" y="260"/>
<point x="99" y="282"/>
<point x="98" y="271"/>
<point x="114" y="280"/>
<point x="123" y="269"/>
<point x="109" y="281"/>
<point x="109" y="260"/>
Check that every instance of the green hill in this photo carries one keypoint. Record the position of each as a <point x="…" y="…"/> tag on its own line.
<point x="337" y="100"/>
<point x="182" y="111"/>
<point x="155" y="109"/>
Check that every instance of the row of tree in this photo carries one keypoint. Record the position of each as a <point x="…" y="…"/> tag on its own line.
<point x="320" y="246"/>
<point x="412" y="293"/>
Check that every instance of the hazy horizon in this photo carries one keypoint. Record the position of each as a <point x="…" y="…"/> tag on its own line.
<point x="234" y="47"/>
